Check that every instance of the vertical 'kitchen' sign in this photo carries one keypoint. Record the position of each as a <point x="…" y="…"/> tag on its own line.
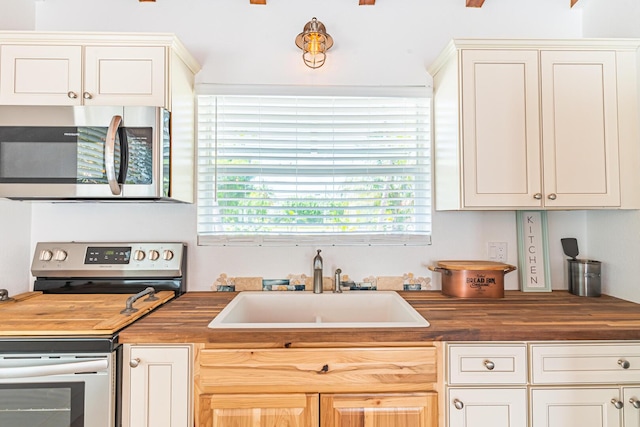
<point x="533" y="258"/>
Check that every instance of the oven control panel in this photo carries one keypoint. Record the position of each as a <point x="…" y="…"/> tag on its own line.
<point x="84" y="259"/>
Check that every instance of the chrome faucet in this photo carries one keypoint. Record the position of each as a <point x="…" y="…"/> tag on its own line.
<point x="336" y="286"/>
<point x="317" y="273"/>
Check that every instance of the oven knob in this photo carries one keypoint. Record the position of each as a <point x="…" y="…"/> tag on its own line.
<point x="167" y="255"/>
<point x="138" y="255"/>
<point x="60" y="255"/>
<point x="46" y="255"/>
<point x="154" y="255"/>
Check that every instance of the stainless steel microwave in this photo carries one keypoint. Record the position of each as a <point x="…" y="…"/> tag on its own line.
<point x="91" y="153"/>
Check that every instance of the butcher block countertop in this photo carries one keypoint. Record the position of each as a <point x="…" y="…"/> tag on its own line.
<point x="38" y="314"/>
<point x="517" y="317"/>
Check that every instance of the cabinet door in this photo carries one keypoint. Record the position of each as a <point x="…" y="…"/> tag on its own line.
<point x="40" y="75"/>
<point x="575" y="408"/>
<point x="487" y="407"/>
<point x="117" y="75"/>
<point x="157" y="386"/>
<point x="259" y="410"/>
<point x="580" y="128"/>
<point x="500" y="127"/>
<point x="631" y="399"/>
<point x="379" y="410"/>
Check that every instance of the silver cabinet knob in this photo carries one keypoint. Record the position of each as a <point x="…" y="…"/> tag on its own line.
<point x="624" y="363"/>
<point x="167" y="255"/>
<point x="489" y="365"/>
<point x="616" y="403"/>
<point x="134" y="362"/>
<point x="458" y="404"/>
<point x="552" y="196"/>
<point x="537" y="196"/>
<point x="87" y="95"/>
<point x="71" y="94"/>
<point x="635" y="402"/>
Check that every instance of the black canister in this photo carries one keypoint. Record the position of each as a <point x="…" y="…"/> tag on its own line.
<point x="584" y="277"/>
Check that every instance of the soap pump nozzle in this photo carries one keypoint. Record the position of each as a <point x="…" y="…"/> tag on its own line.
<point x="317" y="273"/>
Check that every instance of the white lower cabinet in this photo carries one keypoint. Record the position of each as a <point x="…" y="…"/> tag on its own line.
<point x="575" y="407"/>
<point x="538" y="384"/>
<point x="486" y="385"/>
<point x="156" y="386"/>
<point x="487" y="407"/>
<point x="631" y="400"/>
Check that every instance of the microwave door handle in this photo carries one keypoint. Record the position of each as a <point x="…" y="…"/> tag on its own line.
<point x="109" y="155"/>
<point x="59" y="369"/>
<point x="124" y="157"/>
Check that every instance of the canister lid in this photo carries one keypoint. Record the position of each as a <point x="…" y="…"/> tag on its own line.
<point x="474" y="265"/>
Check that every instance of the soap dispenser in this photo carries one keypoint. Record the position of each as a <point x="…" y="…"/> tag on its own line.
<point x="317" y="273"/>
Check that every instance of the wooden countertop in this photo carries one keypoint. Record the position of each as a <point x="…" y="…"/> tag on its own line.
<point x="517" y="317"/>
<point x="38" y="314"/>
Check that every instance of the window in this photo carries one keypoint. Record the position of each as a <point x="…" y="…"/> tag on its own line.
<point x="314" y="170"/>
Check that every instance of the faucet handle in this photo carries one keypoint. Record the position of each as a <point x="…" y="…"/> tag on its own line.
<point x="336" y="288"/>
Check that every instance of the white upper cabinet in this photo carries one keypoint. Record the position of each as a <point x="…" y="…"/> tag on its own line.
<point x="536" y="124"/>
<point x="46" y="75"/>
<point x="501" y="145"/>
<point x="580" y="128"/>
<point x="105" y="69"/>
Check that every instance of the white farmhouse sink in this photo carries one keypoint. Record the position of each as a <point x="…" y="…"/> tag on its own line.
<point x="281" y="309"/>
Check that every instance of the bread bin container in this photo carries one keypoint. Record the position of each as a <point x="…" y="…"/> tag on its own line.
<point x="473" y="279"/>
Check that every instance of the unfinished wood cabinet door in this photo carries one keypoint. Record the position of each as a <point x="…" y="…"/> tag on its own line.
<point x="379" y="410"/>
<point x="259" y="410"/>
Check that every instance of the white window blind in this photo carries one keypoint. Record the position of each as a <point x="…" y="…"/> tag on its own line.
<point x="313" y="170"/>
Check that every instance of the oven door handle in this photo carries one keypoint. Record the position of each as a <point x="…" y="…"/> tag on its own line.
<point x="110" y="157"/>
<point x="59" y="369"/>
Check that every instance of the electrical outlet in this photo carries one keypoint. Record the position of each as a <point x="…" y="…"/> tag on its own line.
<point x="497" y="251"/>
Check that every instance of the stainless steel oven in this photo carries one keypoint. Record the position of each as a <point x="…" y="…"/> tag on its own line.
<point x="98" y="153"/>
<point x="50" y="374"/>
<point x="58" y="389"/>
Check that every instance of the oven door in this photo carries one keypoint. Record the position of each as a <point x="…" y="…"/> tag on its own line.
<point x="57" y="390"/>
<point x="81" y="152"/>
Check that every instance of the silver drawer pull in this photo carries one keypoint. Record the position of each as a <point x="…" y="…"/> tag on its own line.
<point x="624" y="363"/>
<point x="134" y="362"/>
<point x="616" y="403"/>
<point x="458" y="404"/>
<point x="489" y="365"/>
<point x="635" y="402"/>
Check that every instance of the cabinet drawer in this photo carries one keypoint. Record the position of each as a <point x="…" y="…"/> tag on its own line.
<point x="317" y="370"/>
<point x="487" y="364"/>
<point x="585" y="363"/>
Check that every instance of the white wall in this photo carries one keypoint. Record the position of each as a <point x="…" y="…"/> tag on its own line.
<point x="614" y="237"/>
<point x="391" y="43"/>
<point x="15" y="246"/>
<point x="611" y="18"/>
<point x="457" y="235"/>
<point x="17" y="15"/>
